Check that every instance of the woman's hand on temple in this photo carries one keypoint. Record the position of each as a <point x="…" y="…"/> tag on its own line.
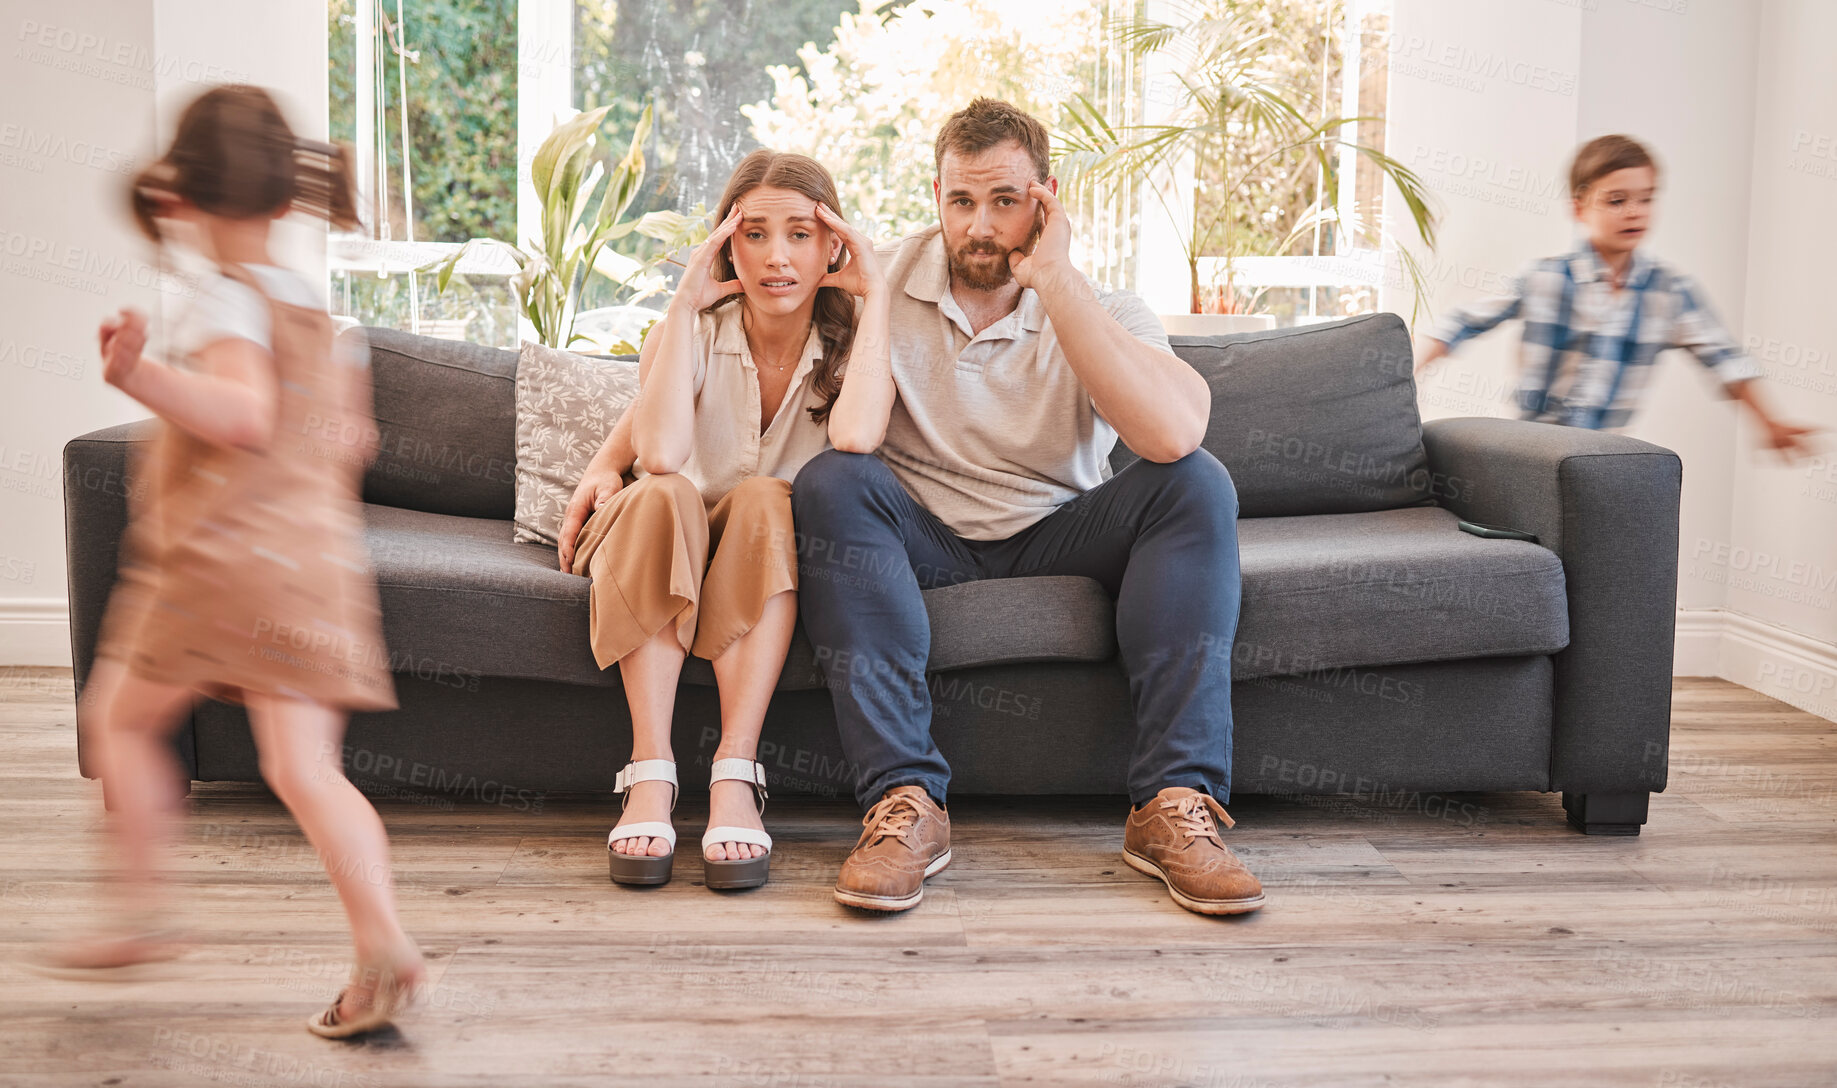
<point x="861" y="275"/>
<point x="699" y="289"/>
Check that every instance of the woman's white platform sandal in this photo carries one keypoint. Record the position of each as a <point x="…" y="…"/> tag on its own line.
<point x="643" y="869"/>
<point x="739" y="872"/>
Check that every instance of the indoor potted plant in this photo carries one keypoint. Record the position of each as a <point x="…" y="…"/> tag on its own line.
<point x="552" y="270"/>
<point x="1237" y="116"/>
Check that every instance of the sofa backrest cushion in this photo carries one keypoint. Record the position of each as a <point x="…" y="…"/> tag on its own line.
<point x="1314" y="420"/>
<point x="446" y="410"/>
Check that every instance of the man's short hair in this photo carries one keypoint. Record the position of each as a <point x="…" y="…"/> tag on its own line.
<point x="1602" y="156"/>
<point x="987" y="122"/>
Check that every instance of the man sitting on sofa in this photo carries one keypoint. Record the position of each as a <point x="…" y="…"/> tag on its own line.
<point x="1011" y="379"/>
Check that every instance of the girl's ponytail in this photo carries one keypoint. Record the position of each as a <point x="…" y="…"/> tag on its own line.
<point x="322" y="183"/>
<point x="152" y="192"/>
<point x="234" y="155"/>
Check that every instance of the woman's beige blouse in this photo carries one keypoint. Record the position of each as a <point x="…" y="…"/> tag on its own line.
<point x="729" y="447"/>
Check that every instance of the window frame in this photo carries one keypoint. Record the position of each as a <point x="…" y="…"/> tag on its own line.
<point x="545" y="97"/>
<point x="1350" y="265"/>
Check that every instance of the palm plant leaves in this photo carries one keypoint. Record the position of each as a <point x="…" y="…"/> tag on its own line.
<point x="1141" y="35"/>
<point x="1231" y="104"/>
<point x="626" y="176"/>
<point x="553" y="269"/>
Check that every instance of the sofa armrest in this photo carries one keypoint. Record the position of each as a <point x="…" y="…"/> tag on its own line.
<point x="99" y="476"/>
<point x="1607" y="505"/>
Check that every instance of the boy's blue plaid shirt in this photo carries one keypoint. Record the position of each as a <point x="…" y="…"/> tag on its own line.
<point x="1587" y="350"/>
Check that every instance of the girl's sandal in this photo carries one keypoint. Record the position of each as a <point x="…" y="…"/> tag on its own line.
<point x="738" y="872"/>
<point x="641" y="868"/>
<point x="393" y="994"/>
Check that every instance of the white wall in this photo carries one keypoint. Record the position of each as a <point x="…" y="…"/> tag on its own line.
<point x="1496" y="149"/>
<point x="79" y="97"/>
<point x="76" y="113"/>
<point x="1489" y="98"/>
<point x="277" y="44"/>
<point x="1483" y="103"/>
<point x="1782" y="560"/>
<point x="1682" y="81"/>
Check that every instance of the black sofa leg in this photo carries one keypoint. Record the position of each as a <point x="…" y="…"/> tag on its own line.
<point x="1606" y="813"/>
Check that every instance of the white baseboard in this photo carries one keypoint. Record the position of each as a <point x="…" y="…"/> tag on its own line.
<point x="1777" y="662"/>
<point x="34" y="631"/>
<point x="1698" y="650"/>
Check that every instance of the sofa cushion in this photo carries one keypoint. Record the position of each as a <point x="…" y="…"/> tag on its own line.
<point x="1315" y="420"/>
<point x="446" y="410"/>
<point x="461" y="601"/>
<point x="1061" y="618"/>
<point x="1057" y="618"/>
<point x="1324" y="592"/>
<point x="566" y="404"/>
<point x="1391" y="587"/>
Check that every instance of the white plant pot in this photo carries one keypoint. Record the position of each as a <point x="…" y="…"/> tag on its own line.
<point x="1215" y="324"/>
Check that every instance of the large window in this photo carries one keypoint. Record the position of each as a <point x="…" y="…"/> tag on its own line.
<point x="1301" y="235"/>
<point x="425" y="93"/>
<point x="447" y="99"/>
<point x="700" y="64"/>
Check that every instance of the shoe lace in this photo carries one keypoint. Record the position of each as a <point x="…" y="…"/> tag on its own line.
<point x="1193" y="817"/>
<point x="892" y="817"/>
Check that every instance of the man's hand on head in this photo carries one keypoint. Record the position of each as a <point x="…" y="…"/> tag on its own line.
<point x="1047" y="265"/>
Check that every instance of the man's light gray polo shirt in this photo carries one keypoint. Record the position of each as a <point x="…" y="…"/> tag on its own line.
<point x="992" y="431"/>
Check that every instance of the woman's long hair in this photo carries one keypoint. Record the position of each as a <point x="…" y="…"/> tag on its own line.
<point x="834" y="314"/>
<point x="235" y="156"/>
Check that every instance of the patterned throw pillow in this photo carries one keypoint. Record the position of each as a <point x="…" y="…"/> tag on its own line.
<point x="566" y="405"/>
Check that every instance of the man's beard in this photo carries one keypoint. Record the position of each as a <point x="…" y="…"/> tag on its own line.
<point x="980" y="276"/>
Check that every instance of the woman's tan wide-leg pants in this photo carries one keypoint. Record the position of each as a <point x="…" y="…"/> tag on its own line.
<point x="657" y="556"/>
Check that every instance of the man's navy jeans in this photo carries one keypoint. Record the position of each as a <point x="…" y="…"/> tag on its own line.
<point x="1161" y="538"/>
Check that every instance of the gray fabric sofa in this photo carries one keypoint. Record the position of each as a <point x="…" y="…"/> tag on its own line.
<point x="1383" y="654"/>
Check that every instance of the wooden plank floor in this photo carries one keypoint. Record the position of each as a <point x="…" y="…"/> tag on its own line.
<point x="1397" y="948"/>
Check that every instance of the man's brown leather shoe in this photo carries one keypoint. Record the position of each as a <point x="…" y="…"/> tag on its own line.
<point x="906" y="839"/>
<point x="1173" y="837"/>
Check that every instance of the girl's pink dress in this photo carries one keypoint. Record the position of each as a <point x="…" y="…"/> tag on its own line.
<point x="246" y="571"/>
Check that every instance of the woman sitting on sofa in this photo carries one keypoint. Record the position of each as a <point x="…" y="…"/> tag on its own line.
<point x="738" y="381"/>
